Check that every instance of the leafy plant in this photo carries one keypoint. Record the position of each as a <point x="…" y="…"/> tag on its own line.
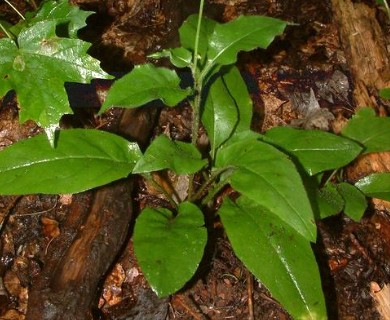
<point x="281" y="178"/>
<point x="43" y="51"/>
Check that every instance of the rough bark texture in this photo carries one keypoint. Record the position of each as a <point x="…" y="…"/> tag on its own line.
<point x="95" y="231"/>
<point x="368" y="59"/>
<point x="364" y="46"/>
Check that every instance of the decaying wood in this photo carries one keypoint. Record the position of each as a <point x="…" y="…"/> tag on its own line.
<point x="382" y="299"/>
<point x="368" y="59"/>
<point x="76" y="261"/>
<point x="364" y="45"/>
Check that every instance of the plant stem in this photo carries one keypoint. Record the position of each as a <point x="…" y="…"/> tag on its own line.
<point x="207" y="183"/>
<point x="387" y="8"/>
<point x="16" y="10"/>
<point x="6" y="31"/>
<point x="198" y="93"/>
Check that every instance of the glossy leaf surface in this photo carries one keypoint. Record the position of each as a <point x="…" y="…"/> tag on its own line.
<point x="38" y="65"/>
<point x="143" y="84"/>
<point x="164" y="153"/>
<point x="242" y="34"/>
<point x="266" y="175"/>
<point x="66" y="16"/>
<point x="179" y="57"/>
<point x="376" y="185"/>
<point x="355" y="201"/>
<point x="371" y="131"/>
<point x="169" y="248"/>
<point x="228" y="108"/>
<point x="83" y="159"/>
<point x="277" y="255"/>
<point x="315" y="150"/>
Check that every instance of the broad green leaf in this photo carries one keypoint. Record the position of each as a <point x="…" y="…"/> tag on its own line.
<point x="179" y="57"/>
<point x="355" y="201"/>
<point x="83" y="159"/>
<point x="267" y="176"/>
<point x="329" y="201"/>
<point x="228" y="108"/>
<point x="385" y="93"/>
<point x="371" y="131"/>
<point x="37" y="68"/>
<point x="66" y="16"/>
<point x="376" y="185"/>
<point x="169" y="248"/>
<point x="164" y="153"/>
<point x="242" y="34"/>
<point x="277" y="255"/>
<point x="315" y="150"/>
<point x="143" y="84"/>
<point x="187" y="34"/>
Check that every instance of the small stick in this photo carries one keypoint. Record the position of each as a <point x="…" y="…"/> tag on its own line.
<point x="249" y="278"/>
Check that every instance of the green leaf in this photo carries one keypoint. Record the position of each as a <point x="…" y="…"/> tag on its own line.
<point x="179" y="57"/>
<point x="277" y="255"/>
<point x="37" y="68"/>
<point x="164" y="153"/>
<point x="371" y="131"/>
<point x="385" y="93"/>
<point x="316" y="150"/>
<point x="187" y="34"/>
<point x="64" y="15"/>
<point x="376" y="185"/>
<point x="83" y="159"/>
<point x="242" y="34"/>
<point x="329" y="201"/>
<point x="355" y="201"/>
<point x="266" y="175"/>
<point x="169" y="248"/>
<point x="228" y="108"/>
<point x="143" y="84"/>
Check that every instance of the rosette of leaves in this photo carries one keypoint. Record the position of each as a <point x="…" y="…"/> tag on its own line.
<point x="277" y="176"/>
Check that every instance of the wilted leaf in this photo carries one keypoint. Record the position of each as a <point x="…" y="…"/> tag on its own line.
<point x="168" y="248"/>
<point x="83" y="159"/>
<point x="315" y="150"/>
<point x="277" y="255"/>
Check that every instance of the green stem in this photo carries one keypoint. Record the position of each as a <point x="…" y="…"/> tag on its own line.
<point x="211" y="195"/>
<point x="6" y="31"/>
<point x="207" y="183"/>
<point x="16" y="10"/>
<point x="198" y="92"/>
<point x="387" y="8"/>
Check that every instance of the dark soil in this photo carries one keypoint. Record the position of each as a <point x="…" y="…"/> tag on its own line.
<point x="308" y="61"/>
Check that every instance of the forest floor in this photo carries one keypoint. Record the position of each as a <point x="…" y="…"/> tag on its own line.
<point x="305" y="69"/>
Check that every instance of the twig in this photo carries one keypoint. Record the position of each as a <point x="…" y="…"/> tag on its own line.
<point x="249" y="286"/>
